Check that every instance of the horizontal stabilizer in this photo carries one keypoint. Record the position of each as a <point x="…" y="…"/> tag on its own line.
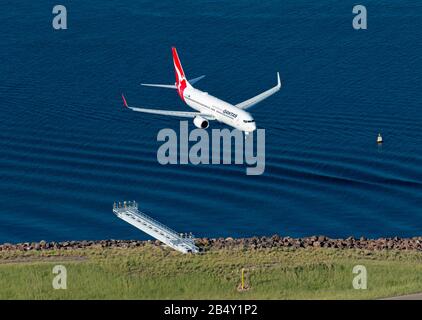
<point x="195" y="80"/>
<point x="168" y="86"/>
<point x="171" y="86"/>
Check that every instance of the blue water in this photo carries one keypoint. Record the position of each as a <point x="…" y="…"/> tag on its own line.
<point x="68" y="150"/>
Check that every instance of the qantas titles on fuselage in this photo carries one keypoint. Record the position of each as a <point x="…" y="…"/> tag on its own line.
<point x="207" y="106"/>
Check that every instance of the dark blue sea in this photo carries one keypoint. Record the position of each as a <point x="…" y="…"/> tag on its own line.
<point x="68" y="149"/>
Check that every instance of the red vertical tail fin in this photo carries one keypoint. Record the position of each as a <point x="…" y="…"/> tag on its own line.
<point x="181" y="82"/>
<point x="177" y="65"/>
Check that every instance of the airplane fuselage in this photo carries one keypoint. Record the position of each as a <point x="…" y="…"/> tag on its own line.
<point x="222" y="111"/>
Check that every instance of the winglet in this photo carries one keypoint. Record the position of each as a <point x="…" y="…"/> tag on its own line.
<point x="124" y="101"/>
<point x="278" y="80"/>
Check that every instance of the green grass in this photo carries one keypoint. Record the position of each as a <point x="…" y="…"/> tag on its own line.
<point x="152" y="272"/>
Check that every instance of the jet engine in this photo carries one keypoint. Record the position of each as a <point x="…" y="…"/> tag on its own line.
<point x="200" y="122"/>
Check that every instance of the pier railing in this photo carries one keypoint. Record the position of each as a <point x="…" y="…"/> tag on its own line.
<point x="129" y="212"/>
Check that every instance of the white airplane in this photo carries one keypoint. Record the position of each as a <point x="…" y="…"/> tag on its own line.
<point x="208" y="107"/>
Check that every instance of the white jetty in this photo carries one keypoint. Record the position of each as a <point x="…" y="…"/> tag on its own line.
<point x="129" y="212"/>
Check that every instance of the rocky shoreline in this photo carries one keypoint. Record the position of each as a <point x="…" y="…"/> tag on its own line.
<point x="206" y="244"/>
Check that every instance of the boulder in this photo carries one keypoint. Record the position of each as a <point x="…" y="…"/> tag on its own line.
<point x="322" y="238"/>
<point x="317" y="244"/>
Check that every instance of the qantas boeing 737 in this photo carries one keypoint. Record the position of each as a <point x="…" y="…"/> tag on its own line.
<point x="207" y="107"/>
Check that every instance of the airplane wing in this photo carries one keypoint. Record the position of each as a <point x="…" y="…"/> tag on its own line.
<point x="183" y="114"/>
<point x="253" y="101"/>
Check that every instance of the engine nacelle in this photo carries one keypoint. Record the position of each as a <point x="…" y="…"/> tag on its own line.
<point x="200" y="122"/>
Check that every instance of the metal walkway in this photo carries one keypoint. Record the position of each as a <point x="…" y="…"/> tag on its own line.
<point x="129" y="212"/>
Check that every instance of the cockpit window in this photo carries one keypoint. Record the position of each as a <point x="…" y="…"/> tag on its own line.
<point x="248" y="121"/>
